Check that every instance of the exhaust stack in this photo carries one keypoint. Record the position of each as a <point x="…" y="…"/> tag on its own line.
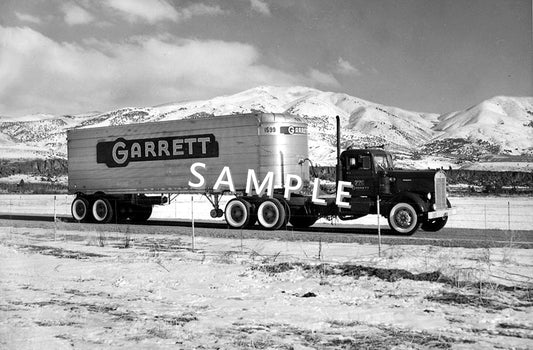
<point x="339" y="168"/>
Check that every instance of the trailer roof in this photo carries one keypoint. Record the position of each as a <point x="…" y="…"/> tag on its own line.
<point x="258" y="117"/>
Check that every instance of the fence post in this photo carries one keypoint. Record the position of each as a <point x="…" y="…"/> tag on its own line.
<point x="509" y="216"/>
<point x="379" y="229"/>
<point x="192" y="217"/>
<point x="55" y="220"/>
<point x="485" y="212"/>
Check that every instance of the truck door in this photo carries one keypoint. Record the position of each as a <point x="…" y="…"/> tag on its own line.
<point x="359" y="172"/>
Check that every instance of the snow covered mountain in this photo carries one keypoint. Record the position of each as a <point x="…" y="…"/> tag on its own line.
<point x="501" y="125"/>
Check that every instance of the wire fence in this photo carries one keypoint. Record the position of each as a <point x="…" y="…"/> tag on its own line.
<point x="505" y="213"/>
<point x="493" y="213"/>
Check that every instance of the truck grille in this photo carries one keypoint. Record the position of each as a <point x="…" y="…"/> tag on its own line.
<point x="440" y="190"/>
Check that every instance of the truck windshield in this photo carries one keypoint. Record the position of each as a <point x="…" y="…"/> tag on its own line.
<point x="382" y="162"/>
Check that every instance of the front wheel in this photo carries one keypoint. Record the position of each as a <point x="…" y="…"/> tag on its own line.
<point x="434" y="225"/>
<point x="403" y="219"/>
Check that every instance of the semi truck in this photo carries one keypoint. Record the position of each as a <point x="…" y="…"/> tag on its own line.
<point x="260" y="159"/>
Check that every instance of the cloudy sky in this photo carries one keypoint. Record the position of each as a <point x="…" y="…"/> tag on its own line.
<point x="76" y="56"/>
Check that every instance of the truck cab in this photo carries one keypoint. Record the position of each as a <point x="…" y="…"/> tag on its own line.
<point x="409" y="198"/>
<point x="364" y="168"/>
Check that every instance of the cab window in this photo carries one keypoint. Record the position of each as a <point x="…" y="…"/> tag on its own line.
<point x="360" y="162"/>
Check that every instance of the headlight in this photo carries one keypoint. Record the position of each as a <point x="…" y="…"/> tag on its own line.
<point x="429" y="196"/>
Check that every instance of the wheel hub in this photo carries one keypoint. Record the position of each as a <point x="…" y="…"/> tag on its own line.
<point x="403" y="218"/>
<point x="270" y="214"/>
<point x="237" y="214"/>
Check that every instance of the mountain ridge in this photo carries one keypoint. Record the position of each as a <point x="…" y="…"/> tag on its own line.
<point x="501" y="125"/>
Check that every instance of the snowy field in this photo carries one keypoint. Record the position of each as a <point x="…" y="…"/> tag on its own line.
<point x="506" y="213"/>
<point x="85" y="290"/>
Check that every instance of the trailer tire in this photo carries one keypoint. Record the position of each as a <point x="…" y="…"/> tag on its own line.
<point x="80" y="209"/>
<point x="102" y="210"/>
<point x="434" y="225"/>
<point x="403" y="219"/>
<point x="271" y="214"/>
<point x="238" y="213"/>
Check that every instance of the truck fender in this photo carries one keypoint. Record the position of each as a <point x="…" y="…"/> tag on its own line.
<point x="421" y="206"/>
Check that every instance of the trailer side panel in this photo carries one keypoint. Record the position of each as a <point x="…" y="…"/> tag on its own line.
<point x="156" y="157"/>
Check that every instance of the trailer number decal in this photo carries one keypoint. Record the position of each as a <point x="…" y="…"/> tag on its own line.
<point x="120" y="152"/>
<point x="283" y="130"/>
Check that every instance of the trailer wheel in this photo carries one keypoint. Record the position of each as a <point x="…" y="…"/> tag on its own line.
<point x="238" y="213"/>
<point x="102" y="210"/>
<point x="434" y="225"/>
<point x="403" y="219"/>
<point x="80" y="209"/>
<point x="271" y="214"/>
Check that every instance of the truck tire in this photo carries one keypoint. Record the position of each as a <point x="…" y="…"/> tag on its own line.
<point x="434" y="225"/>
<point x="238" y="213"/>
<point x="271" y="214"/>
<point x="102" y="210"/>
<point x="303" y="221"/>
<point x="133" y="213"/>
<point x="80" y="209"/>
<point x="403" y="219"/>
<point x="141" y="213"/>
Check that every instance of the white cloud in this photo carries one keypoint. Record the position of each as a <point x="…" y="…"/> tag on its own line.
<point x="38" y="74"/>
<point x="148" y="10"/>
<point x="261" y="7"/>
<point x="75" y="15"/>
<point x="322" y="78"/>
<point x="28" y="18"/>
<point x="153" y="11"/>
<point x="199" y="9"/>
<point x="346" y="68"/>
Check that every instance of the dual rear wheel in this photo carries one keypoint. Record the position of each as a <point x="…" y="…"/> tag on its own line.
<point x="271" y="213"/>
<point x="103" y="210"/>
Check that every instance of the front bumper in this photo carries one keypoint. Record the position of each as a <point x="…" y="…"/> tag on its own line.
<point x="440" y="213"/>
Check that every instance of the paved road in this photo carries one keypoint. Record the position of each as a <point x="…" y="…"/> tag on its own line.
<point x="449" y="237"/>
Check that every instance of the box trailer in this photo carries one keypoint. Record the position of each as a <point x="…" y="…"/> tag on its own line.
<point x="121" y="166"/>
